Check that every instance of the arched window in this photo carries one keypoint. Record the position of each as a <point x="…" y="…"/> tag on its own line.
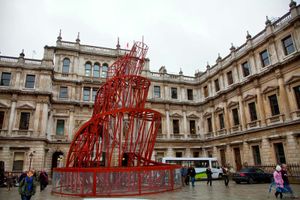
<point x="96" y="70"/>
<point x="66" y="65"/>
<point x="104" y="70"/>
<point x="88" y="69"/>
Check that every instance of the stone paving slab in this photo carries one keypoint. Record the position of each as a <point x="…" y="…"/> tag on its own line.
<point x="218" y="191"/>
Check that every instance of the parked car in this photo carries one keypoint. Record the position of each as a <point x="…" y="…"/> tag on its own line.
<point x="252" y="175"/>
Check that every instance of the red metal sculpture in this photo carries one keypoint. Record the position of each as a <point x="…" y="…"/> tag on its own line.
<point x="118" y="141"/>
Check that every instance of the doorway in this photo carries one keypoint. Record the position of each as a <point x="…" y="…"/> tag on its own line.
<point x="237" y="157"/>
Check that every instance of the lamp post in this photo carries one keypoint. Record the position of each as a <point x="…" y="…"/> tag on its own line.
<point x="30" y="157"/>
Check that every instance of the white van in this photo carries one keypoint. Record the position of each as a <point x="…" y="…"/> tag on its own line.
<point x="200" y="165"/>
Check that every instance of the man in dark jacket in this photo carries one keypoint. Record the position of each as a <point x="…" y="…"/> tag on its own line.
<point x="192" y="174"/>
<point x="209" y="176"/>
<point x="285" y="179"/>
<point x="225" y="175"/>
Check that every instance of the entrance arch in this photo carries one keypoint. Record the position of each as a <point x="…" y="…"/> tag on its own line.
<point x="55" y="161"/>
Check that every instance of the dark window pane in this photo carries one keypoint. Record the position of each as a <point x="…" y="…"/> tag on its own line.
<point x="178" y="154"/>
<point x="156" y="91"/>
<point x="235" y="116"/>
<point x="229" y="78"/>
<point x="256" y="155"/>
<point x="252" y="111"/>
<point x="217" y="86"/>
<point x="96" y="70"/>
<point x="274" y="105"/>
<point x="209" y="125"/>
<point x="174" y="93"/>
<point x="192" y="127"/>
<point x="88" y="69"/>
<point x="264" y="56"/>
<point x="24" y="121"/>
<point x="30" y="79"/>
<point x="63" y="92"/>
<point x="5" y="78"/>
<point x="288" y="45"/>
<point x="246" y="69"/>
<point x="176" y="126"/>
<point x="221" y="121"/>
<point x="86" y="94"/>
<point x="279" y="151"/>
<point x="95" y="90"/>
<point x="190" y="94"/>
<point x="297" y="95"/>
<point x="1" y="119"/>
<point x="104" y="70"/>
<point x="60" y="127"/>
<point x="66" y="65"/>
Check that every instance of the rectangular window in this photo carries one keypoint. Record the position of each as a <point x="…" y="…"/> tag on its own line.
<point x="264" y="57"/>
<point x="205" y="88"/>
<point x="174" y="93"/>
<point x="192" y="127"/>
<point x="235" y="116"/>
<point x="24" y="121"/>
<point x="86" y="94"/>
<point x="30" y="79"/>
<point x="246" y="69"/>
<point x="178" y="154"/>
<point x="96" y="72"/>
<point x="156" y="91"/>
<point x="274" y="105"/>
<point x="217" y="86"/>
<point x="252" y="111"/>
<point x="5" y="78"/>
<point x="229" y="78"/>
<point x="256" y="155"/>
<point x="297" y="95"/>
<point x="95" y="90"/>
<point x="60" y="127"/>
<point x="221" y="121"/>
<point x="190" y="94"/>
<point x="1" y="119"/>
<point x="18" y="161"/>
<point x="223" y="157"/>
<point x="209" y="125"/>
<point x="279" y="151"/>
<point x="288" y="45"/>
<point x="63" y="92"/>
<point x="175" y="126"/>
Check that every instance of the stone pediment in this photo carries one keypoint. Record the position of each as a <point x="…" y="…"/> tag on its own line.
<point x="269" y="89"/>
<point x="219" y="109"/>
<point x="3" y="105"/>
<point x="207" y="114"/>
<point x="26" y="106"/>
<point x="176" y="115"/>
<point x="232" y="104"/>
<point x="249" y="97"/>
<point x="192" y="116"/>
<point x="293" y="79"/>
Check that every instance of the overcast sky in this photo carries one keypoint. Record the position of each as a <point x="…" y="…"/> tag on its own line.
<point x="180" y="33"/>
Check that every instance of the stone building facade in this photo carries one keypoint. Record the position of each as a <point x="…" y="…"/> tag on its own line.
<point x="243" y="109"/>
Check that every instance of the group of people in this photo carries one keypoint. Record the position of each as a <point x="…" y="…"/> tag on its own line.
<point x="27" y="183"/>
<point x="281" y="181"/>
<point x="189" y="174"/>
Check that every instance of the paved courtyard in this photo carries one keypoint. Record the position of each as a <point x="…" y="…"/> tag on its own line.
<point x="201" y="191"/>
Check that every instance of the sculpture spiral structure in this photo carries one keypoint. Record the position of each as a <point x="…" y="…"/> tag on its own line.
<point x="110" y="154"/>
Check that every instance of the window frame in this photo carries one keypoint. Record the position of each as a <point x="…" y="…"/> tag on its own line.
<point x="252" y="111"/>
<point x="217" y="85"/>
<point x="174" y="93"/>
<point x="246" y="69"/>
<point x="192" y="131"/>
<point x="86" y="89"/>
<point x="96" y="70"/>
<point x="58" y="128"/>
<point x="235" y="116"/>
<point x="221" y="121"/>
<point x="176" y="127"/>
<point x="297" y="95"/>
<point x="62" y="92"/>
<point x="285" y="48"/>
<point x="88" y="72"/>
<point x="230" y="80"/>
<point x="209" y="125"/>
<point x="265" y="61"/>
<point x="66" y="66"/>
<point x="30" y="83"/>
<point x="190" y="95"/>
<point x="24" y="122"/>
<point x="274" y="106"/>
<point x="156" y="91"/>
<point x="4" y="80"/>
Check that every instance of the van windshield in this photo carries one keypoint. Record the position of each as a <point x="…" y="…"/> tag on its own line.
<point x="215" y="164"/>
<point x="201" y="163"/>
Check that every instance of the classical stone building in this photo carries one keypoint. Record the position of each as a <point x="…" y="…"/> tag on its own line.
<point x="243" y="109"/>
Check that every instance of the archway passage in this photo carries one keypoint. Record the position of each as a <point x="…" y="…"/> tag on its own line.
<point x="55" y="157"/>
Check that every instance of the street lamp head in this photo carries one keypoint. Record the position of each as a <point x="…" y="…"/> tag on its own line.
<point x="31" y="155"/>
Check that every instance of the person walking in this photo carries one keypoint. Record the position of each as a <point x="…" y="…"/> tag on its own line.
<point x="225" y="175"/>
<point x="184" y="174"/>
<point x="43" y="178"/>
<point x="27" y="186"/>
<point x="286" y="183"/>
<point x="9" y="180"/>
<point x="209" y="176"/>
<point x="192" y="174"/>
<point x="278" y="181"/>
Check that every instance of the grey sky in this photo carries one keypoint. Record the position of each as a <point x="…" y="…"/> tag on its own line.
<point x="180" y="33"/>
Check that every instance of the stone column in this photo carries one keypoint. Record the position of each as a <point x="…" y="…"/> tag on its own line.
<point x="283" y="100"/>
<point x="170" y="152"/>
<point x="265" y="151"/>
<point x="37" y="121"/>
<point x="185" y="130"/>
<point x="50" y="125"/>
<point x="12" y="114"/>
<point x="188" y="153"/>
<point x="246" y="153"/>
<point x="213" y="121"/>
<point x="292" y="149"/>
<point x="260" y="106"/>
<point x="71" y="125"/>
<point x="167" y="96"/>
<point x="242" y="112"/>
<point x="168" y="123"/>
<point x="226" y="118"/>
<point x="44" y="119"/>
